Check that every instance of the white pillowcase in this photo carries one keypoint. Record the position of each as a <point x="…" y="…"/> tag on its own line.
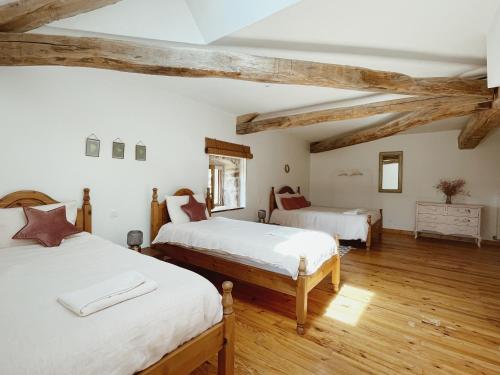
<point x="284" y="195"/>
<point x="13" y="219"/>
<point x="174" y="203"/>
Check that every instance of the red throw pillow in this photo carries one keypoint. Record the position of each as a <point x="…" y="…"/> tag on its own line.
<point x="294" y="203"/>
<point x="47" y="227"/>
<point x="289" y="203"/>
<point x="194" y="209"/>
<point x="302" y="202"/>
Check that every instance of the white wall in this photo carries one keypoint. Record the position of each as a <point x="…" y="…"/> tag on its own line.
<point x="493" y="47"/>
<point x="427" y="158"/>
<point x="46" y="114"/>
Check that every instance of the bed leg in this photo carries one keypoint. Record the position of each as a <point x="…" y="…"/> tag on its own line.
<point x="226" y="354"/>
<point x="369" y="236"/>
<point x="301" y="297"/>
<point x="381" y="226"/>
<point x="336" y="274"/>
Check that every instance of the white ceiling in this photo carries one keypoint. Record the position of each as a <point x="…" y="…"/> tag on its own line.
<point x="185" y="21"/>
<point x="438" y="28"/>
<point x="419" y="37"/>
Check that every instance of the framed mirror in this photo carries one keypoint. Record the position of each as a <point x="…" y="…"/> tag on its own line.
<point x="390" y="172"/>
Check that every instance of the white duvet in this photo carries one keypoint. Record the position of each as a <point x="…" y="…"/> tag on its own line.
<point x="39" y="336"/>
<point x="327" y="219"/>
<point x="269" y="247"/>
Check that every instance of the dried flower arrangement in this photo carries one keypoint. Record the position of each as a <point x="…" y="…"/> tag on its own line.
<point x="450" y="188"/>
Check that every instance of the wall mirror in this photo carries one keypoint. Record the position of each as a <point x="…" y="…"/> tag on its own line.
<point x="390" y="173"/>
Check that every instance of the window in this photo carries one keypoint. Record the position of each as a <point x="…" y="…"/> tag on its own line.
<point x="227" y="172"/>
<point x="226" y="182"/>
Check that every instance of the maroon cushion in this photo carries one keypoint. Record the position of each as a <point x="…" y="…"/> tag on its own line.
<point x="47" y="227"/>
<point x="294" y="203"/>
<point x="289" y="203"/>
<point x="194" y="209"/>
<point x="301" y="202"/>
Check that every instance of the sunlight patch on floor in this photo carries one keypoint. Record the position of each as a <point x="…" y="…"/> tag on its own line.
<point x="349" y="304"/>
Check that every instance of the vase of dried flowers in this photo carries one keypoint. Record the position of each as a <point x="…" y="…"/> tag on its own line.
<point x="451" y="188"/>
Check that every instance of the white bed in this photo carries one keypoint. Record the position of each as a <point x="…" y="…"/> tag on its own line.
<point x="269" y="247"/>
<point x="46" y="338"/>
<point x="327" y="219"/>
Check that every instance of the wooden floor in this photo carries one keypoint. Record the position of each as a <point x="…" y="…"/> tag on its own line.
<point x="409" y="306"/>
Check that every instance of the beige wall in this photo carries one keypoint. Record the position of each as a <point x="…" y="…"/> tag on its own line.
<point x="46" y="114"/>
<point x="427" y="158"/>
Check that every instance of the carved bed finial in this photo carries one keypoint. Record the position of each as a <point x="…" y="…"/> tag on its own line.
<point x="227" y="297"/>
<point x="86" y="195"/>
<point x="155" y="194"/>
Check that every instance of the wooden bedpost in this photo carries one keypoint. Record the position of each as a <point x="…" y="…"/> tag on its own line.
<point x="209" y="202"/>
<point x="298" y="189"/>
<point x="301" y="296"/>
<point x="336" y="267"/>
<point x="369" y="236"/>
<point x="87" y="211"/>
<point x="226" y="354"/>
<point x="272" y="203"/>
<point x="381" y="225"/>
<point x="155" y="215"/>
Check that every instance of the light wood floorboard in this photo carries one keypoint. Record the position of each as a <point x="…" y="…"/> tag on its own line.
<point x="425" y="306"/>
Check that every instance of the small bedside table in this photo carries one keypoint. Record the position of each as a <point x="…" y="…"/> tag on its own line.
<point x="153" y="253"/>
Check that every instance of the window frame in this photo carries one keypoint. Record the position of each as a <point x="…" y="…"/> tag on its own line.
<point x="242" y="186"/>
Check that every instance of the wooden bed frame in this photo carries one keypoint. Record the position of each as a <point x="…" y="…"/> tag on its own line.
<point x="298" y="288"/>
<point x="219" y="339"/>
<point x="30" y="198"/>
<point x="374" y="228"/>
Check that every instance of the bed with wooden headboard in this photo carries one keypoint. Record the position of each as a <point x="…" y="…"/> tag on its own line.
<point x="218" y="339"/>
<point x="374" y="220"/>
<point x="32" y="198"/>
<point x="272" y="280"/>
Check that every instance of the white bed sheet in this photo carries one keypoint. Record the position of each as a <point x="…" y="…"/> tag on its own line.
<point x="39" y="336"/>
<point x="270" y="247"/>
<point x="327" y="219"/>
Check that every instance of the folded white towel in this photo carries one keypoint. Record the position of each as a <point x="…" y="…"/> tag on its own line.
<point x="107" y="293"/>
<point x="356" y="211"/>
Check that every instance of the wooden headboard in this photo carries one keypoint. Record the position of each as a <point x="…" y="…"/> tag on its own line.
<point x="159" y="212"/>
<point x="272" y="197"/>
<point x="30" y="198"/>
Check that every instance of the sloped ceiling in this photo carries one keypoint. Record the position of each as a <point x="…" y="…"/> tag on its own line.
<point x="419" y="38"/>
<point x="185" y="21"/>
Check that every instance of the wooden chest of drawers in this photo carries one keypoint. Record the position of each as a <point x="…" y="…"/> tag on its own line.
<point x="449" y="219"/>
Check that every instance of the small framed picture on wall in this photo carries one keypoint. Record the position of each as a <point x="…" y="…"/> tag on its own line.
<point x="118" y="149"/>
<point x="140" y="152"/>
<point x="92" y="146"/>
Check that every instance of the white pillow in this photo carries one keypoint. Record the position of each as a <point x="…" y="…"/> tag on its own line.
<point x="284" y="195"/>
<point x="13" y="219"/>
<point x="174" y="203"/>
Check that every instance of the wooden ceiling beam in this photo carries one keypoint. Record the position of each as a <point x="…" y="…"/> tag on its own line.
<point x="480" y="125"/>
<point x="405" y="122"/>
<point x="349" y="113"/>
<point x="26" y="15"/>
<point x="36" y="49"/>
